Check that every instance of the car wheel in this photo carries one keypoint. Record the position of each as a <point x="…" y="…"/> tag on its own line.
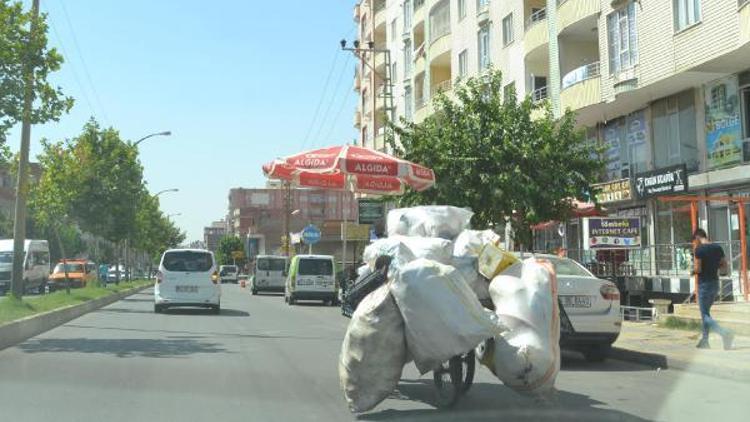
<point x="158" y="309"/>
<point x="597" y="352"/>
<point x="254" y="292"/>
<point x="216" y="309"/>
<point x="292" y="300"/>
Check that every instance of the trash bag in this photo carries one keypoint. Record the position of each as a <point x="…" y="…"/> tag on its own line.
<point x="373" y="353"/>
<point x="527" y="356"/>
<point x="442" y="315"/>
<point x="363" y="270"/>
<point x="432" y="248"/>
<point x="469" y="243"/>
<point x="429" y="221"/>
<point x="467" y="266"/>
<point x="403" y="249"/>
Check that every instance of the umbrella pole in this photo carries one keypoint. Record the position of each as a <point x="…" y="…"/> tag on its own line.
<point x="343" y="229"/>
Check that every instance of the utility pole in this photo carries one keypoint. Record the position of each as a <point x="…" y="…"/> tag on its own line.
<point x="19" y="225"/>
<point x="287" y="212"/>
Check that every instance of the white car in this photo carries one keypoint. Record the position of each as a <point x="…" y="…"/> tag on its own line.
<point x="229" y="273"/>
<point x="592" y="306"/>
<point x="187" y="277"/>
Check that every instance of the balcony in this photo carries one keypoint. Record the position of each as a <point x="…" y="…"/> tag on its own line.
<point x="440" y="46"/>
<point x="379" y="19"/>
<point x="483" y="13"/>
<point x="419" y="60"/>
<point x="356" y="13"/>
<point x="379" y="63"/>
<point x="423" y="109"/>
<point x="418" y="15"/>
<point x="443" y="86"/>
<point x="357" y="80"/>
<point x="357" y="119"/>
<point x="536" y="31"/>
<point x="744" y="13"/>
<point x="581" y="87"/>
<point x="539" y="94"/>
<point x="574" y="13"/>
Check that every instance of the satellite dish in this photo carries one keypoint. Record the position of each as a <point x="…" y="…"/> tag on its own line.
<point x="561" y="229"/>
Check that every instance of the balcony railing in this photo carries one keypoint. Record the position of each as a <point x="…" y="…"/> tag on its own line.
<point x="378" y="5"/>
<point x="418" y="4"/>
<point x="539" y="94"/>
<point x="443" y="86"/>
<point x="483" y="7"/>
<point x="420" y="102"/>
<point x="536" y="17"/>
<point x="581" y="74"/>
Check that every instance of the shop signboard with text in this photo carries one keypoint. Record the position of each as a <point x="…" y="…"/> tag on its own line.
<point x="611" y="233"/>
<point x="614" y="191"/>
<point x="665" y="181"/>
<point x="723" y="125"/>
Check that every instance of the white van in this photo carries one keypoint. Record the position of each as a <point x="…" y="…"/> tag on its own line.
<point x="229" y="273"/>
<point x="269" y="274"/>
<point x="35" y="265"/>
<point x="187" y="277"/>
<point x="311" y="277"/>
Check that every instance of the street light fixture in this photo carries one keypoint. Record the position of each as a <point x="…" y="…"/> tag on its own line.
<point x="176" y="214"/>
<point x="165" y="133"/>
<point x="165" y="191"/>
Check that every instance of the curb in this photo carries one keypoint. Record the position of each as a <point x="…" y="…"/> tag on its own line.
<point x="653" y="360"/>
<point x="18" y="331"/>
<point x="658" y="361"/>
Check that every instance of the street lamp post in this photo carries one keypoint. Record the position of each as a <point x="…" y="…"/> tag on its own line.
<point x="165" y="191"/>
<point x="165" y="133"/>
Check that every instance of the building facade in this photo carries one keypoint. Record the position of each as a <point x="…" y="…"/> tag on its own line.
<point x="663" y="84"/>
<point x="213" y="233"/>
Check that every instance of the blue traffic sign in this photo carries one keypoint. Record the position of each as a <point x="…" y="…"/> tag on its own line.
<point x="311" y="235"/>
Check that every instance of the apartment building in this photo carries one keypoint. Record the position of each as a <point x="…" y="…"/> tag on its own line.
<point x="212" y="234"/>
<point x="663" y="84"/>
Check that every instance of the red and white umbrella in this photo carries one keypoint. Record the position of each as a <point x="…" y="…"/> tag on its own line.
<point x="351" y="168"/>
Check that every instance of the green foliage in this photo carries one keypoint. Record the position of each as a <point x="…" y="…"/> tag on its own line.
<point x="16" y="54"/>
<point x="490" y="155"/>
<point x="681" y="324"/>
<point x="227" y="245"/>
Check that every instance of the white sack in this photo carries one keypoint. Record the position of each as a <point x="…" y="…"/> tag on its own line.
<point x="471" y="242"/>
<point x="363" y="271"/>
<point x="467" y="266"/>
<point x="403" y="249"/>
<point x="373" y="353"/>
<point x="443" y="317"/>
<point x="429" y="221"/>
<point x="527" y="356"/>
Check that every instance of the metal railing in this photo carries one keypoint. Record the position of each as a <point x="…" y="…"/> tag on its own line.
<point x="539" y="94"/>
<point x="741" y="3"/>
<point x="580" y="74"/>
<point x="536" y="17"/>
<point x="636" y="313"/>
<point x="443" y="86"/>
<point x="483" y="7"/>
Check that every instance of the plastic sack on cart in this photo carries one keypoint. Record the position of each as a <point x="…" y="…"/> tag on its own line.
<point x="527" y="356"/>
<point x="429" y="221"/>
<point x="442" y="316"/>
<point x="398" y="251"/>
<point x="469" y="243"/>
<point x="432" y="248"/>
<point x="373" y="353"/>
<point x="363" y="270"/>
<point x="467" y="266"/>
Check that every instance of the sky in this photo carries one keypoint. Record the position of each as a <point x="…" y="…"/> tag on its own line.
<point x="237" y="82"/>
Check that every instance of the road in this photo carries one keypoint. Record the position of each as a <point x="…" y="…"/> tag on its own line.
<point x="261" y="360"/>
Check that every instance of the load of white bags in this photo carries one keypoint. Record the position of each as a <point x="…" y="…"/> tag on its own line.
<point x="429" y="310"/>
<point x="373" y="353"/>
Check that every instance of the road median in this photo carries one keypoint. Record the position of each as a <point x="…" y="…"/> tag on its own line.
<point x="21" y="320"/>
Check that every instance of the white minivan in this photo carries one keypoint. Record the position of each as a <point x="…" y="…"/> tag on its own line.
<point x="269" y="274"/>
<point x="229" y="274"/>
<point x="311" y="277"/>
<point x="35" y="265"/>
<point x="187" y="277"/>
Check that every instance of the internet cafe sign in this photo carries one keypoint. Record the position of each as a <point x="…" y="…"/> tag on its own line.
<point x="614" y="191"/>
<point x="665" y="181"/>
<point x="611" y="233"/>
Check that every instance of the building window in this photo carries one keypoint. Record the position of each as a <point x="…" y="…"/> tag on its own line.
<point x="483" y="41"/>
<point x="407" y="16"/>
<point x="463" y="64"/>
<point x="407" y="103"/>
<point x="407" y="59"/>
<point x="393" y="29"/>
<point x="508" y="29"/>
<point x="482" y="5"/>
<point x="509" y="91"/>
<point x="394" y="72"/>
<point x="686" y="13"/>
<point x="440" y="20"/>
<point x="626" y="146"/>
<point x="461" y="9"/>
<point x="623" y="39"/>
<point x="673" y="126"/>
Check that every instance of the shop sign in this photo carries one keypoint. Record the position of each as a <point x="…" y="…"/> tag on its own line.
<point x="611" y="233"/>
<point x="665" y="181"/>
<point x="614" y="191"/>
<point x="370" y="211"/>
<point x="723" y="124"/>
<point x="356" y="231"/>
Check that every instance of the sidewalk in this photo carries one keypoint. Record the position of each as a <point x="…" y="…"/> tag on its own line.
<point x="650" y="344"/>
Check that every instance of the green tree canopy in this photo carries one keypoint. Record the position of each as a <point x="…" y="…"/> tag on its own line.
<point x="491" y="155"/>
<point x="227" y="246"/>
<point x="15" y="54"/>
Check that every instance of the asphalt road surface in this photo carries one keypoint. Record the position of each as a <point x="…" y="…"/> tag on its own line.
<point x="261" y="360"/>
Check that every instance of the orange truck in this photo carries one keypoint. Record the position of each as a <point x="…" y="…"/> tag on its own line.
<point x="80" y="273"/>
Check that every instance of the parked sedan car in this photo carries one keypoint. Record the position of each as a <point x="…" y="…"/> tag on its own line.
<point x="592" y="306"/>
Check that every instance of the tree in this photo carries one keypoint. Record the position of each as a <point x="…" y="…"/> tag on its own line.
<point x="231" y="251"/>
<point x="491" y="155"/>
<point x="15" y="53"/>
<point x="154" y="232"/>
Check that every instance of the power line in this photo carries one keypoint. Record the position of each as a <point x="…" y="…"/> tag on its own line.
<point x="320" y="99"/>
<point x="83" y="62"/>
<point x="72" y="67"/>
<point x="338" y="113"/>
<point x="333" y="97"/>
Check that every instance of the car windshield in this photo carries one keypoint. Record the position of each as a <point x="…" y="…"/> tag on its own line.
<point x="568" y="267"/>
<point x="271" y="264"/>
<point x="315" y="267"/>
<point x="228" y="269"/>
<point x="72" y="268"/>
<point x="187" y="261"/>
<point x="6" y="257"/>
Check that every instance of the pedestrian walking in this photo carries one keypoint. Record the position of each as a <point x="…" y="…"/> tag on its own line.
<point x="709" y="259"/>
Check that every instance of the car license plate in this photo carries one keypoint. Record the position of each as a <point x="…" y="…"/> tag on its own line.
<point x="576" y="301"/>
<point x="186" y="289"/>
<point x="305" y="282"/>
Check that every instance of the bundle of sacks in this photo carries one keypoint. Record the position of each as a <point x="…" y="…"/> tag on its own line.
<point x="430" y="309"/>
